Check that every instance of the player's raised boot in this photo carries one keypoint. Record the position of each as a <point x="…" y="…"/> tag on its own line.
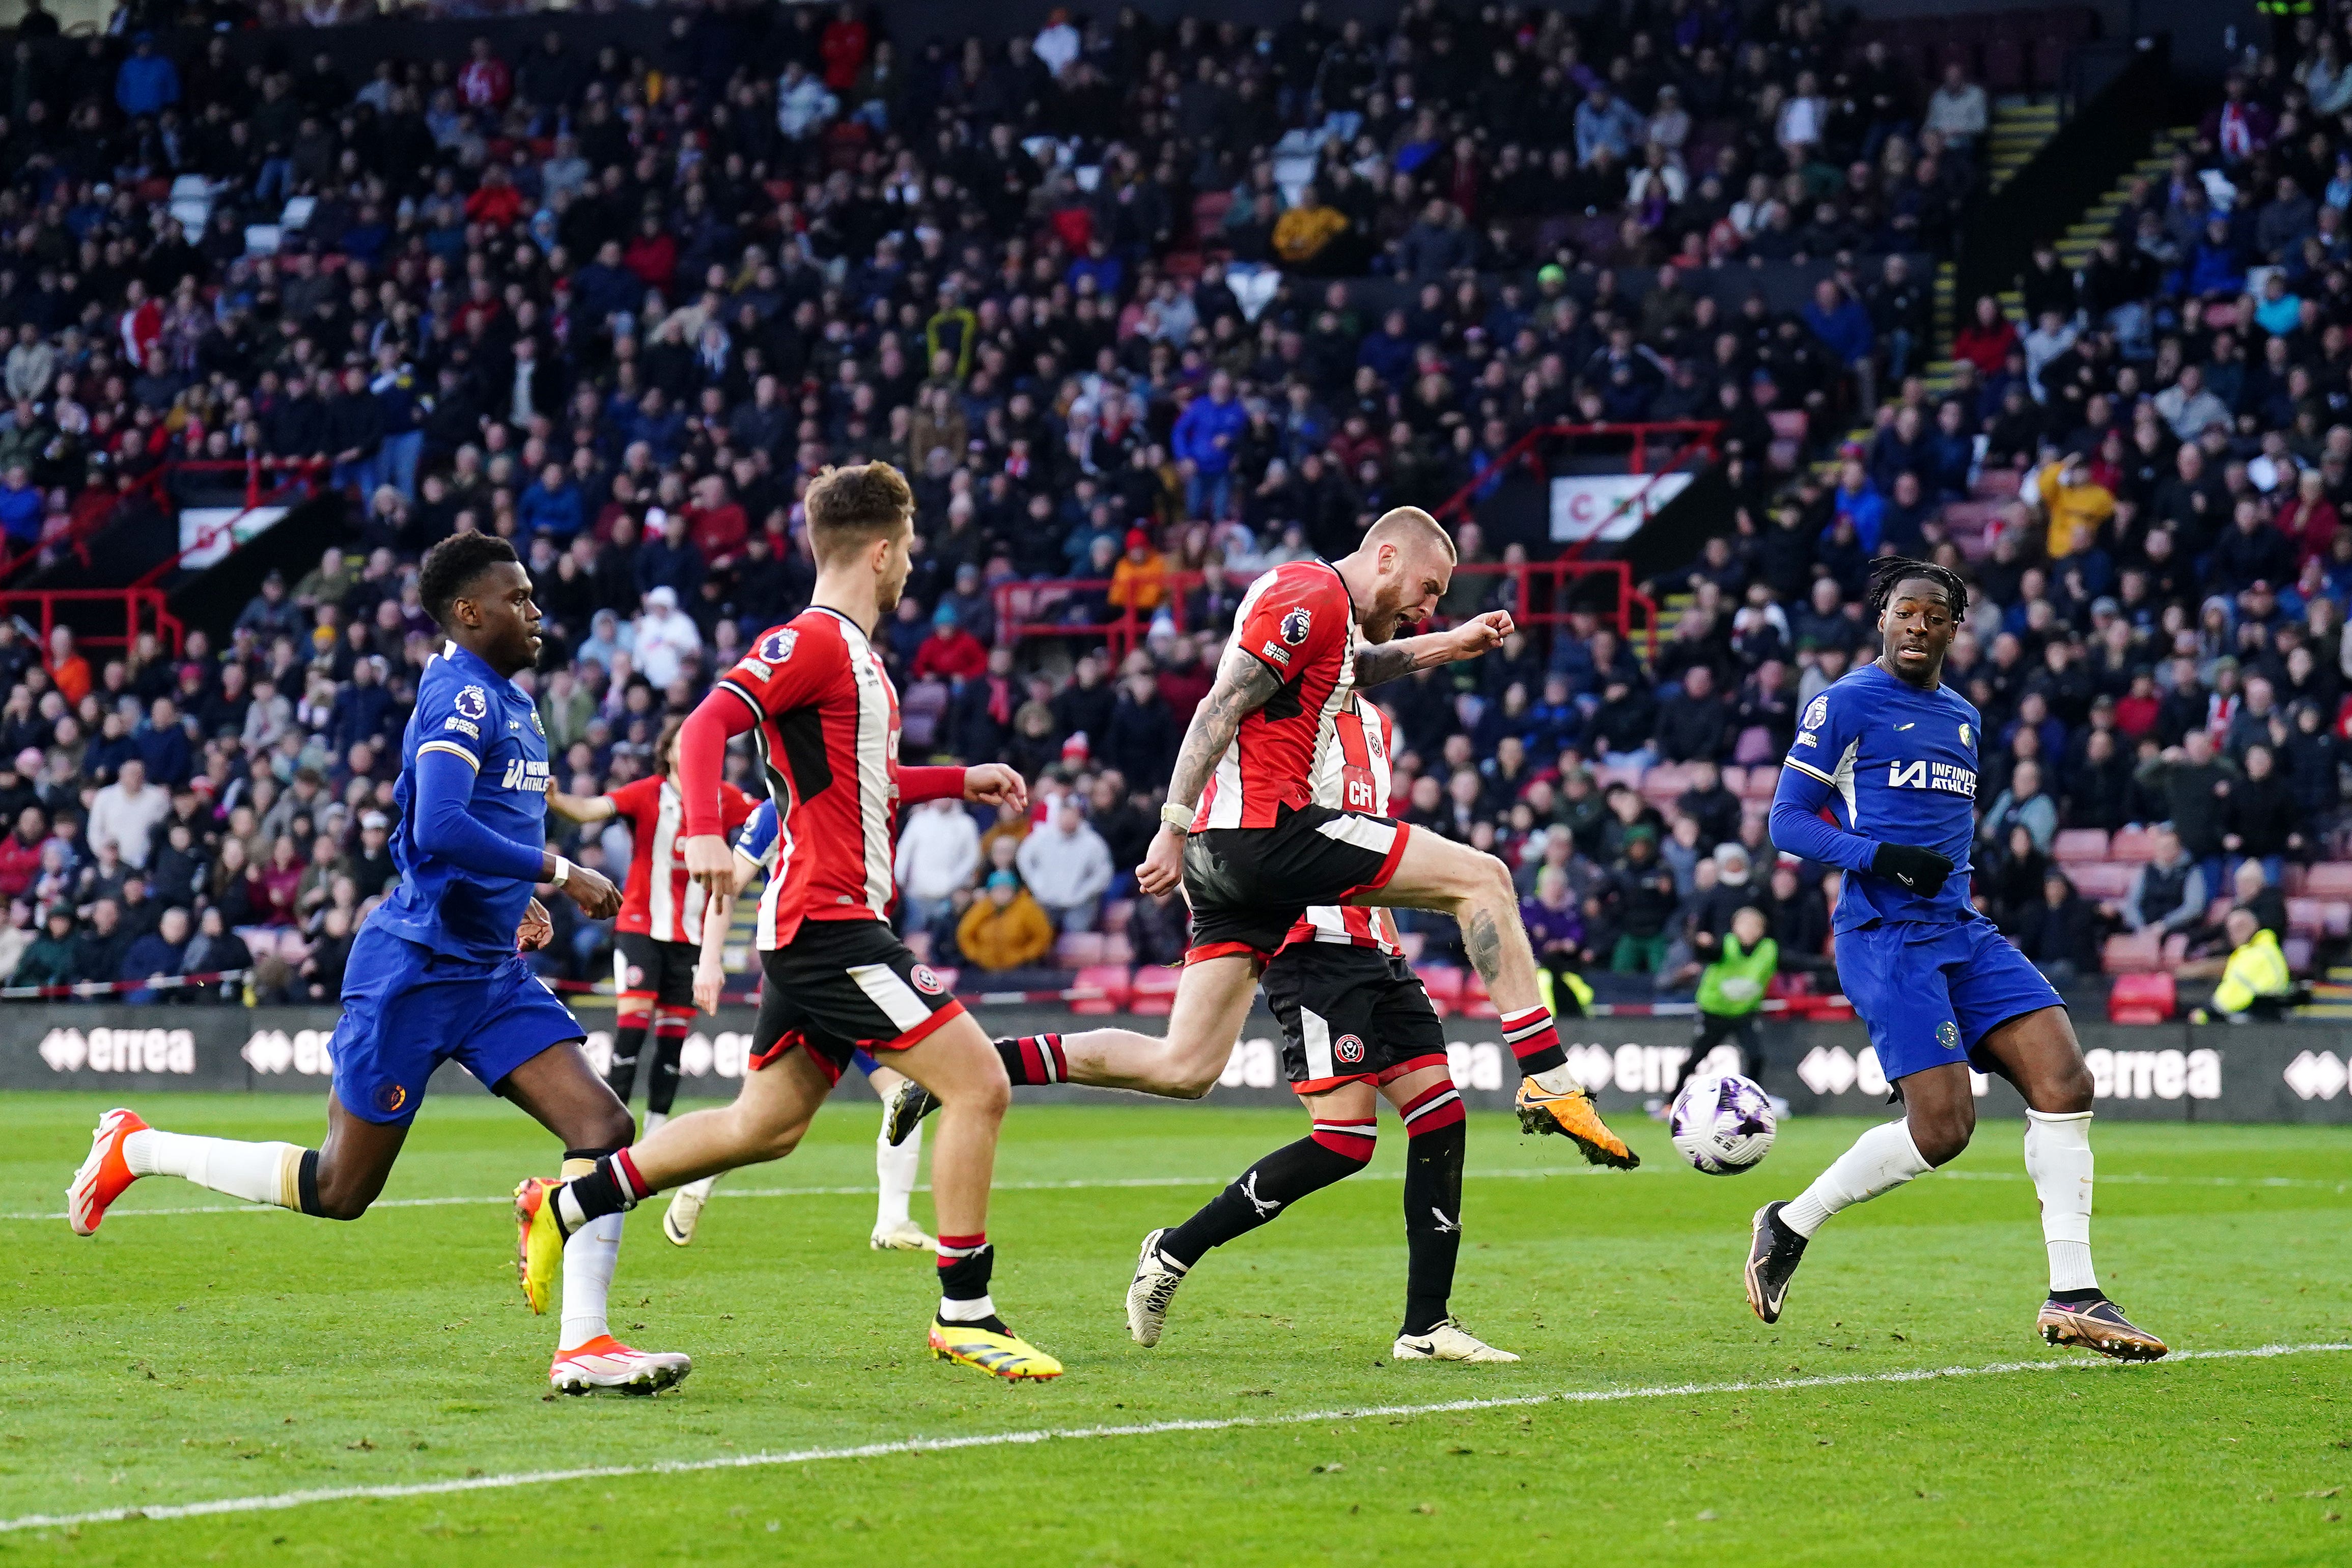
<point x="1449" y="1341"/>
<point x="904" y="1110"/>
<point x="2098" y="1325"/>
<point x="998" y="1351"/>
<point x="1569" y="1112"/>
<point x="539" y="1245"/>
<point x="1773" y="1253"/>
<point x="904" y="1236"/>
<point x="685" y="1212"/>
<point x="605" y="1362"/>
<point x="105" y="1175"/>
<point x="1149" y="1292"/>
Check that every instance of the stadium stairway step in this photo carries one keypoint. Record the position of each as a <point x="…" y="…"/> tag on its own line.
<point x="2082" y="237"/>
<point x="2019" y="131"/>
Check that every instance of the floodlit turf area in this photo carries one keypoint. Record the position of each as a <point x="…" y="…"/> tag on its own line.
<point x="184" y="1358"/>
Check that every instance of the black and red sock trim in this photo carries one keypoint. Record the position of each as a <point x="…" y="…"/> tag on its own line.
<point x="1534" y="1039"/>
<point x="1432" y="1110"/>
<point x="1348" y="1137"/>
<point x="1032" y="1061"/>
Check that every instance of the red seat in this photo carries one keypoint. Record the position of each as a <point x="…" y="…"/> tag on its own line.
<point x="2136" y="844"/>
<point x="2142" y="999"/>
<point x="1079" y="949"/>
<point x="1112" y="981"/>
<point x="2305" y="917"/>
<point x="2106" y="881"/>
<point x="2077" y="844"/>
<point x="1153" y="990"/>
<point x="2328" y="879"/>
<point x="1443" y="984"/>
<point x="2139" y="954"/>
<point x="1475" y="1002"/>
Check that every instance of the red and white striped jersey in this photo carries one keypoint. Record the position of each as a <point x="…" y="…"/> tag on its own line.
<point x="826" y="726"/>
<point x="1299" y="621"/>
<point x="661" y="901"/>
<point x="1355" y="777"/>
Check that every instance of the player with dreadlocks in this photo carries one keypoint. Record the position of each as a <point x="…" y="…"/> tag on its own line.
<point x="1890" y="752"/>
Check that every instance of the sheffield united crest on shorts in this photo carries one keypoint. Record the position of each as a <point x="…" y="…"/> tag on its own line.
<point x="1348" y="1048"/>
<point x="1295" y="625"/>
<point x="925" y="981"/>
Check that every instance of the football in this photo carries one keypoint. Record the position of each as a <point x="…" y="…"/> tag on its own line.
<point x="1722" y="1123"/>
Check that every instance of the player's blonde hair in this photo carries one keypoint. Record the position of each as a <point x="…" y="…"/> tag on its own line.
<point x="1407" y="526"/>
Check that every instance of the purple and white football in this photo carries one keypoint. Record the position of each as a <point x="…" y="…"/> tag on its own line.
<point x="1723" y="1123"/>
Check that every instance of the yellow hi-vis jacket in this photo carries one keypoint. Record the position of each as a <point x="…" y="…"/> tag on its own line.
<point x="2258" y="969"/>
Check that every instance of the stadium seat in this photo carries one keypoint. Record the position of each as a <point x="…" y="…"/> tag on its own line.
<point x="1113" y="981"/>
<point x="2106" y="879"/>
<point x="2141" y="999"/>
<point x="1079" y="948"/>
<point x="1443" y="984"/>
<point x="2078" y="845"/>
<point x="2176" y="950"/>
<point x="2134" y="845"/>
<point x="1153" y="990"/>
<point x="1118" y="950"/>
<point x="2328" y="879"/>
<point x="1116" y="915"/>
<point x="2139" y="953"/>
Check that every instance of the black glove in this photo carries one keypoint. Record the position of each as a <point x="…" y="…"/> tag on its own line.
<point x="1921" y="871"/>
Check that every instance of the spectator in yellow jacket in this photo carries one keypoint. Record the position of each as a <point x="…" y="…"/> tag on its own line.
<point x="1004" y="929"/>
<point x="2076" y="505"/>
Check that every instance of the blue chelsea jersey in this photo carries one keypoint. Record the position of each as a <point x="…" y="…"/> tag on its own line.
<point x="1901" y="763"/>
<point x="467" y="709"/>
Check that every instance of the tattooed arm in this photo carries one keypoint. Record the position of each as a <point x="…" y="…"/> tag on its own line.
<point x="1243" y="686"/>
<point x="1380" y="662"/>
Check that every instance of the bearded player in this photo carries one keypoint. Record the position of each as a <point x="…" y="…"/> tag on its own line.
<point x="1356" y="1024"/>
<point x="1892" y="752"/>
<point x="1253" y="850"/>
<point x="824" y="717"/>
<point x="434" y="975"/>
<point x="659" y="938"/>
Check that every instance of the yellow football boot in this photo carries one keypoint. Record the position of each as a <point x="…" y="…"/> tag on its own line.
<point x="1005" y="1355"/>
<point x="1569" y="1113"/>
<point x="539" y="1245"/>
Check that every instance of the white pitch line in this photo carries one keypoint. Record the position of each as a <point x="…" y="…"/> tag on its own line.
<point x="275" y="1502"/>
<point x="1521" y="1175"/>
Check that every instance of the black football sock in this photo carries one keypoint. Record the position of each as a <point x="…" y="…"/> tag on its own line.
<point x="1337" y="1150"/>
<point x="613" y="1188"/>
<point x="1436" y="1140"/>
<point x="965" y="1264"/>
<point x="661" y="1078"/>
<point x="307" y="1184"/>
<point x="628" y="1044"/>
<point x="1033" y="1060"/>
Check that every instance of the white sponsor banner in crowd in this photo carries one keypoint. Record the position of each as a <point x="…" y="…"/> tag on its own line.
<point x="207" y="533"/>
<point x="1608" y="507"/>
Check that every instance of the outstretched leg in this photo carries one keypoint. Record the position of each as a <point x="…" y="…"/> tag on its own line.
<point x="338" y="1180"/>
<point x="2040" y="1055"/>
<point x="1339" y="1145"/>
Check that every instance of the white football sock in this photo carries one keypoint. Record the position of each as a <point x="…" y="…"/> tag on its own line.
<point x="258" y="1173"/>
<point x="897" y="1169"/>
<point x="590" y="1258"/>
<point x="970" y="1311"/>
<point x="654" y="1119"/>
<point x="1558" y="1080"/>
<point x="2058" y="1158"/>
<point x="1881" y="1160"/>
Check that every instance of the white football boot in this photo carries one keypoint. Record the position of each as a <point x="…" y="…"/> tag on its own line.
<point x="1449" y="1341"/>
<point x="1156" y="1279"/>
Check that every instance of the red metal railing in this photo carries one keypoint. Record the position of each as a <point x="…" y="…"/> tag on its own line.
<point x="1692" y="439"/>
<point x="302" y="475"/>
<point x="141" y="610"/>
<point x="1545" y="593"/>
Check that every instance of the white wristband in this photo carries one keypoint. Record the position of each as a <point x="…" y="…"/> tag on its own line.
<point x="562" y="871"/>
<point x="1179" y="817"/>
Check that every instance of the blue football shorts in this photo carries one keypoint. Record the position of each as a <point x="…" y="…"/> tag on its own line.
<point x="1930" y="994"/>
<point x="407" y="1009"/>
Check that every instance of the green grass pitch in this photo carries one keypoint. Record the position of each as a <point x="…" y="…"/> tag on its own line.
<point x="190" y="1357"/>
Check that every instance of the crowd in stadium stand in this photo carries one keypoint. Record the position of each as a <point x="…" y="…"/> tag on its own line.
<point x="1103" y="294"/>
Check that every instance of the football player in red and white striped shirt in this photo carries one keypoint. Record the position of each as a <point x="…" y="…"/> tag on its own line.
<point x="659" y="938"/>
<point x="825" y="719"/>
<point x="1356" y="1024"/>
<point x="1253" y="848"/>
